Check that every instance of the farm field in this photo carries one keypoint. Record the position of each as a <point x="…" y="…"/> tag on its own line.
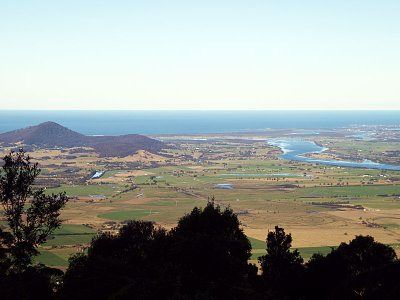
<point x="319" y="205"/>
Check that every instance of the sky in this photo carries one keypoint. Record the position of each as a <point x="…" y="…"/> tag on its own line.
<point x="255" y="55"/>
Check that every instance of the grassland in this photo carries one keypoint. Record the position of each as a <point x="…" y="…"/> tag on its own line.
<point x="128" y="214"/>
<point x="258" y="249"/>
<point x="71" y="235"/>
<point x="87" y="190"/>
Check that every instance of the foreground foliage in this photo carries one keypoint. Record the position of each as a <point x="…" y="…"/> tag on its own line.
<point x="31" y="217"/>
<point x="204" y="257"/>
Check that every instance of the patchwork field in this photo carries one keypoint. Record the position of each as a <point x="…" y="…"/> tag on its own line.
<point x="319" y="205"/>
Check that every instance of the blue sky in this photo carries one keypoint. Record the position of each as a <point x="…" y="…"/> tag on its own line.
<point x="200" y="54"/>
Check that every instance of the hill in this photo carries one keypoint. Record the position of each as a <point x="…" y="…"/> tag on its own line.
<point x="51" y="134"/>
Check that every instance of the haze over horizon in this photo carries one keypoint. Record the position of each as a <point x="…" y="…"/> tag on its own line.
<point x="176" y="55"/>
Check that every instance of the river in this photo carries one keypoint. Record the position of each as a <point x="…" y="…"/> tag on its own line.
<point x="296" y="149"/>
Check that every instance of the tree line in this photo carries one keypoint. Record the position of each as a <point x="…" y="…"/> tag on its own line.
<point x="206" y="256"/>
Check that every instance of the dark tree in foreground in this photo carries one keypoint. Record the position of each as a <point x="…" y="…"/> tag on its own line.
<point x="204" y="257"/>
<point x="379" y="283"/>
<point x="281" y="267"/>
<point x="31" y="215"/>
<point x="133" y="264"/>
<point x="347" y="271"/>
<point x="212" y="253"/>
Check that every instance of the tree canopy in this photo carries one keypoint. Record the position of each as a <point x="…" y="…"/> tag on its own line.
<point x="281" y="266"/>
<point x="348" y="266"/>
<point x="211" y="252"/>
<point x="134" y="263"/>
<point x="205" y="256"/>
<point x="31" y="216"/>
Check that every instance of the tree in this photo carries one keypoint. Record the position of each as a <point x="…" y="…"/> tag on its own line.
<point x="132" y="264"/>
<point x="211" y="253"/>
<point x="281" y="267"/>
<point x="204" y="257"/>
<point x="346" y="271"/>
<point x="279" y="258"/>
<point x="30" y="213"/>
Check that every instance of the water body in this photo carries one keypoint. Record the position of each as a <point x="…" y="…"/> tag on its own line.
<point x="98" y="174"/>
<point x="296" y="149"/>
<point x="189" y="122"/>
<point x="224" y="186"/>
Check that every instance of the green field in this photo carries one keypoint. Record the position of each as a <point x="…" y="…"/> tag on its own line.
<point x="258" y="249"/>
<point x="74" y="229"/>
<point x="127" y="214"/>
<point x="87" y="190"/>
<point x="71" y="235"/>
<point x="350" y="191"/>
<point x="50" y="259"/>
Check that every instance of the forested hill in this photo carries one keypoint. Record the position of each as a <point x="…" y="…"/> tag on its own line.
<point x="51" y="134"/>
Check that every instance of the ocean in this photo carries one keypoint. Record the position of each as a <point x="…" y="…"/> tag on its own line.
<point x="189" y="122"/>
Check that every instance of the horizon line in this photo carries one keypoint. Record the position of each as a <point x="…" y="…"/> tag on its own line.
<point x="200" y="109"/>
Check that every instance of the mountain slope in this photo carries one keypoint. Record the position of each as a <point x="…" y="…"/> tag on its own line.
<point x="50" y="134"/>
<point x="44" y="134"/>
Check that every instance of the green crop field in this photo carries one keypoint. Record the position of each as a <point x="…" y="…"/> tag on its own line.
<point x="257" y="244"/>
<point x="349" y="191"/>
<point x="259" y="249"/>
<point x="71" y="239"/>
<point x="171" y="202"/>
<point x="51" y="259"/>
<point x="86" y="190"/>
<point x="127" y="214"/>
<point x="71" y="235"/>
<point x="74" y="229"/>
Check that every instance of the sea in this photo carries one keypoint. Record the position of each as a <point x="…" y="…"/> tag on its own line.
<point x="117" y="122"/>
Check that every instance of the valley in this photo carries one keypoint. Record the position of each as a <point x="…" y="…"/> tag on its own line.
<point x="321" y="205"/>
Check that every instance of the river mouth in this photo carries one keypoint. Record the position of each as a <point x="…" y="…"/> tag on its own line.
<point x="294" y="149"/>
